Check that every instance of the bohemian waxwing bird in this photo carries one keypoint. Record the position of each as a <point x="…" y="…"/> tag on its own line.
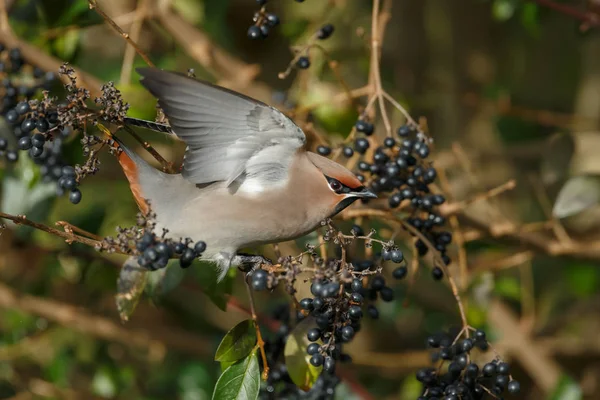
<point x="246" y="178"/>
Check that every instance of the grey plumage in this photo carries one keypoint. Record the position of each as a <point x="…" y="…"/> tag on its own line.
<point x="228" y="135"/>
<point x="246" y="179"/>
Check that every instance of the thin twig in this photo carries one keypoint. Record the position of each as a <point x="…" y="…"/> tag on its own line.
<point x="69" y="237"/>
<point x="375" y="54"/>
<point x="136" y="29"/>
<point x="259" y="340"/>
<point x="94" y="6"/>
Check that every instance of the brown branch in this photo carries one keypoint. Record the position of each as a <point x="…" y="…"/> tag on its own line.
<point x="136" y="29"/>
<point x="94" y="6"/>
<point x="542" y="368"/>
<point x="69" y="237"/>
<point x="39" y="58"/>
<point x="201" y="48"/>
<point x="4" y="25"/>
<point x="157" y="340"/>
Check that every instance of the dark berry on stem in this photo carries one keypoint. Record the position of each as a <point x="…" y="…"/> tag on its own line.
<point x="12" y="156"/>
<point x="28" y="125"/>
<point x="325" y="31"/>
<point x="348" y="152"/>
<point x="361" y="145"/>
<point x="273" y="19"/>
<point x="329" y="365"/>
<point x="365" y="127"/>
<point x="400" y="272"/>
<point x="264" y="30"/>
<point x="514" y="387"/>
<point x="12" y="116"/>
<point x="316" y="360"/>
<point x="38" y="140"/>
<point x="22" y="107"/>
<point x="42" y="125"/>
<point x="313" y="334"/>
<point x="24" y="143"/>
<point x="355" y="312"/>
<point x="187" y="258"/>
<point x="200" y="247"/>
<point x="313" y="348"/>
<point x="489" y="369"/>
<point x="306" y="304"/>
<point x="387" y="294"/>
<point x="437" y="273"/>
<point x="372" y="311"/>
<point x="356" y="285"/>
<point x="254" y="32"/>
<point x="75" y="196"/>
<point x="303" y="62"/>
<point x="324" y="150"/>
<point x="259" y="280"/>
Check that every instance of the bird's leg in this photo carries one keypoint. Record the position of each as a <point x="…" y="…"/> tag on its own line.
<point x="250" y="262"/>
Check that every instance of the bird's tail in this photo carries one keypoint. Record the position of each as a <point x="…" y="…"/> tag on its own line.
<point x="154" y="126"/>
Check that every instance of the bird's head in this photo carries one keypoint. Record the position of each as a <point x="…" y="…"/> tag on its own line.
<point x="343" y="186"/>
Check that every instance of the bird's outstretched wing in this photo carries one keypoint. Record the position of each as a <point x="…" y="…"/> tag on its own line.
<point x="229" y="136"/>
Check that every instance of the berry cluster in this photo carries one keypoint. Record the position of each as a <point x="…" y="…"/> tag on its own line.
<point x="153" y="251"/>
<point x="343" y="291"/>
<point x="263" y="22"/>
<point x="462" y="378"/>
<point x="303" y="62"/>
<point x="156" y="252"/>
<point x="399" y="169"/>
<point x="34" y="124"/>
<point x="279" y="384"/>
<point x="35" y="127"/>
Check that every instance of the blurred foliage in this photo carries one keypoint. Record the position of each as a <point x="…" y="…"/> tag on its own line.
<point x="530" y="53"/>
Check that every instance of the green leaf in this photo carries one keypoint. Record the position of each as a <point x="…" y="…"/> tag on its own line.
<point x="530" y="17"/>
<point x="206" y="275"/>
<point x="301" y="371"/>
<point x="567" y="389"/>
<point x="583" y="279"/>
<point x="239" y="381"/>
<point x="509" y="287"/>
<point x="130" y="286"/>
<point x="66" y="45"/>
<point x="237" y="343"/>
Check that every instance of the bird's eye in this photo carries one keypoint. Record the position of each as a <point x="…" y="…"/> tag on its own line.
<point x="336" y="186"/>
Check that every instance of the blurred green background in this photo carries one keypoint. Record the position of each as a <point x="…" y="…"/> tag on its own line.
<point x="497" y="82"/>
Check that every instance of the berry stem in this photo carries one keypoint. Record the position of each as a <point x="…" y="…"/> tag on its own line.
<point x="259" y="339"/>
<point x="69" y="237"/>
<point x="69" y="228"/>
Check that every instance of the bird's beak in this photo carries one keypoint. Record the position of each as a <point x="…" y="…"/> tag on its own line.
<point x="364" y="194"/>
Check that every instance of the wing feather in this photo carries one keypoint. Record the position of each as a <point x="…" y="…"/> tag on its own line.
<point x="228" y="134"/>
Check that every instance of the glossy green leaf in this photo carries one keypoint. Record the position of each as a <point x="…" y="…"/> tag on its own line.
<point x="130" y="286"/>
<point x="237" y="343"/>
<point x="302" y="373"/>
<point x="241" y="381"/>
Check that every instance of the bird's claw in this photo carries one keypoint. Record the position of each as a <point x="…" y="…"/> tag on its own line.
<point x="249" y="263"/>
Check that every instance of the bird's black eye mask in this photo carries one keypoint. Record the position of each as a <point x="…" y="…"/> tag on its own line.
<point x="339" y="188"/>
